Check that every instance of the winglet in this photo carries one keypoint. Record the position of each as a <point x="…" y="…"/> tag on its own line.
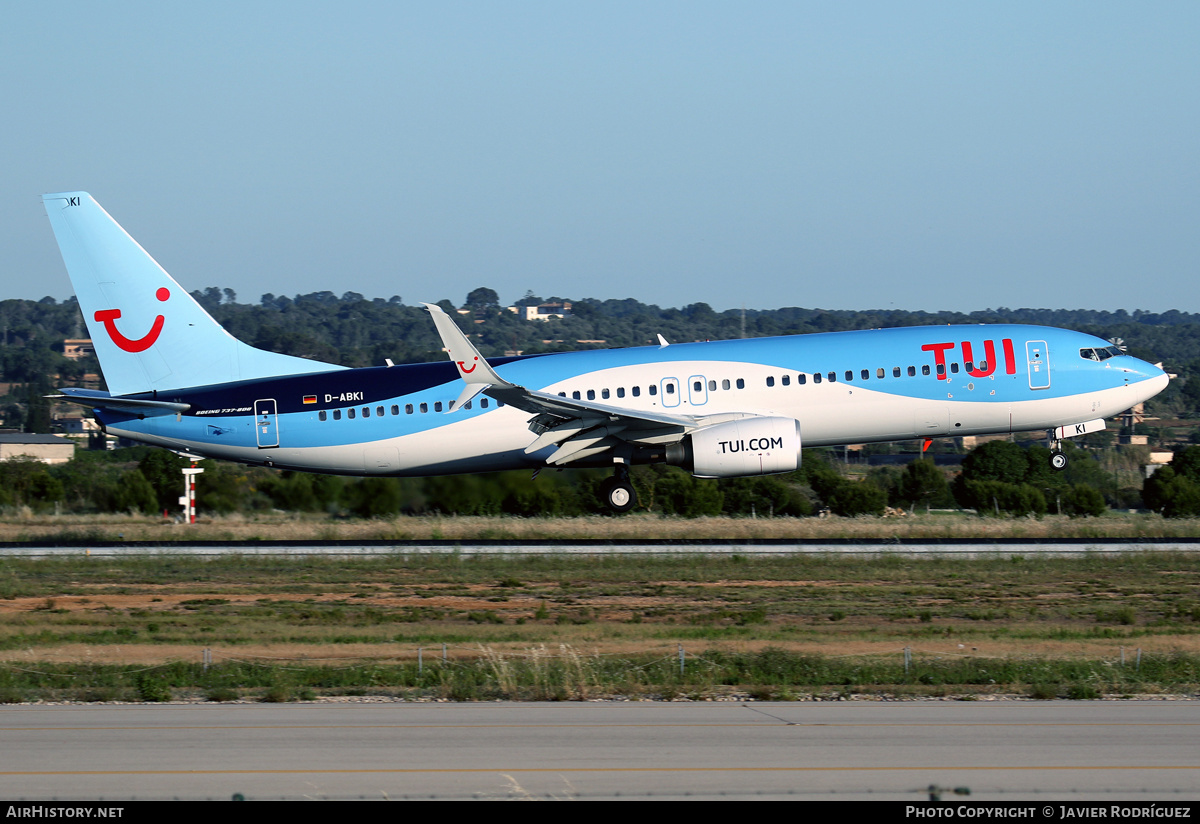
<point x="472" y="368"/>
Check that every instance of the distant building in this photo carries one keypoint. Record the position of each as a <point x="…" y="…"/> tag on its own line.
<point x="50" y="449"/>
<point x="76" y="348"/>
<point x="77" y="425"/>
<point x="543" y="311"/>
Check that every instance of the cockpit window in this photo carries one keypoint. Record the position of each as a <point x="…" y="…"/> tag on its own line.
<point x="1100" y="354"/>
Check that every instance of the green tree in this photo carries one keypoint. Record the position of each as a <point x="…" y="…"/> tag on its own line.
<point x="1083" y="501"/>
<point x="923" y="484"/>
<point x="483" y="299"/>
<point x="678" y="493"/>
<point x="375" y="497"/>
<point x="162" y="469"/>
<point x="763" y="496"/>
<point x="134" y="493"/>
<point x="1172" y="494"/>
<point x="857" y="498"/>
<point x="996" y="461"/>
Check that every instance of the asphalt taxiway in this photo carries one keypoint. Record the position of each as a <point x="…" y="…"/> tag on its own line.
<point x="998" y="750"/>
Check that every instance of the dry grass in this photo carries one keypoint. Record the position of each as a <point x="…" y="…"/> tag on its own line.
<point x="166" y="607"/>
<point x="291" y="527"/>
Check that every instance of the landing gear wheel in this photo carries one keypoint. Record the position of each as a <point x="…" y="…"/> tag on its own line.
<point x="1058" y="461"/>
<point x="618" y="494"/>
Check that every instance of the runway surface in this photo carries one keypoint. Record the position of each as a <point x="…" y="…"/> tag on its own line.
<point x="1009" y="751"/>
<point x="957" y="548"/>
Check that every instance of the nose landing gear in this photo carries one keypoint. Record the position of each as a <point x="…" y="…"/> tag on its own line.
<point x="1058" y="459"/>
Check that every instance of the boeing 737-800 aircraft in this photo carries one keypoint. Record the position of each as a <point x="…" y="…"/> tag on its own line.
<point x="719" y="409"/>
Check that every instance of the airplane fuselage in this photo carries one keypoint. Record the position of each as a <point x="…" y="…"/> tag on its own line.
<point x="842" y="387"/>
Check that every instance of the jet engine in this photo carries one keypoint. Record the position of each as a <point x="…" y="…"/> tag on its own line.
<point x="752" y="446"/>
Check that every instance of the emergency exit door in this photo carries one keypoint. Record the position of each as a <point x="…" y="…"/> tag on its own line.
<point x="1039" y="364"/>
<point x="266" y="423"/>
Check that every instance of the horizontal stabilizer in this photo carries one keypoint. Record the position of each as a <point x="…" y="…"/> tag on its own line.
<point x="103" y="400"/>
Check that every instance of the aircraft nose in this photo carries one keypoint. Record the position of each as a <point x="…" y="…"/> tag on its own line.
<point x="1154" y="378"/>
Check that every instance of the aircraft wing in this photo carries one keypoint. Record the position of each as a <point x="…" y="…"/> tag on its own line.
<point x="578" y="428"/>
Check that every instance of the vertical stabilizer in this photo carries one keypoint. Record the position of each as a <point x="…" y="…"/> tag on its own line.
<point x="148" y="332"/>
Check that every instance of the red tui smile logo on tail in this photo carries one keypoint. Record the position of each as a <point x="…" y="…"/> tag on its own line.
<point x="109" y="316"/>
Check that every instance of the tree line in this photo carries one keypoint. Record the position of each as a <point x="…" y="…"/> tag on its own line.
<point x="998" y="478"/>
<point x="352" y="330"/>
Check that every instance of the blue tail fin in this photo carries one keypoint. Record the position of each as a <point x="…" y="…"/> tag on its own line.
<point x="148" y="332"/>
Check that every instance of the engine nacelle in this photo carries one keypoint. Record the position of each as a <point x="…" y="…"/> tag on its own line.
<point x="752" y="446"/>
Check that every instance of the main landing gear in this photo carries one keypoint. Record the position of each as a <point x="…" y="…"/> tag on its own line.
<point x="617" y="491"/>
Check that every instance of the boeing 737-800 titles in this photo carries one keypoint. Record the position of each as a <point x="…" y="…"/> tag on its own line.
<point x="719" y="409"/>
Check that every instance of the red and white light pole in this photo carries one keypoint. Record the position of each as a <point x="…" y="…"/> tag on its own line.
<point x="188" y="499"/>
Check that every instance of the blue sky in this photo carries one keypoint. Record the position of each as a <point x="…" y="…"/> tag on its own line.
<point x="836" y="155"/>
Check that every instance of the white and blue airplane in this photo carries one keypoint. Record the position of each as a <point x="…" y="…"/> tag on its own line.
<point x="718" y="409"/>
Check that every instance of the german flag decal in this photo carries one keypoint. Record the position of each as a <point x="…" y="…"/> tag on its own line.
<point x="310" y="398"/>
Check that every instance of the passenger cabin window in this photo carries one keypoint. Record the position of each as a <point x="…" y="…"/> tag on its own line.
<point x="912" y="371"/>
<point x="395" y="409"/>
<point x="483" y="403"/>
<point x="437" y="406"/>
<point x="801" y="378"/>
<point x="954" y="367"/>
<point x="786" y="380"/>
<point x="321" y="415"/>
<point x="591" y="394"/>
<point x="379" y="411"/>
<point x="895" y="371"/>
<point x="741" y="383"/>
<point x="865" y="374"/>
<point x="350" y="414"/>
<point x="337" y="414"/>
<point x="620" y="391"/>
<point x="879" y="373"/>
<point x="408" y="409"/>
<point x="832" y="377"/>
<point x="637" y="391"/>
<point x="816" y="377"/>
<point x="653" y="389"/>
<point x="698" y="385"/>
<point x="941" y="369"/>
<point x="770" y="380"/>
<point x="424" y="408"/>
<point x="849" y="374"/>
<point x="925" y="369"/>
<point x="725" y="383"/>
<point x="604" y="394"/>
<point x="366" y="411"/>
<point x="670" y="389"/>
<point x="575" y="395"/>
